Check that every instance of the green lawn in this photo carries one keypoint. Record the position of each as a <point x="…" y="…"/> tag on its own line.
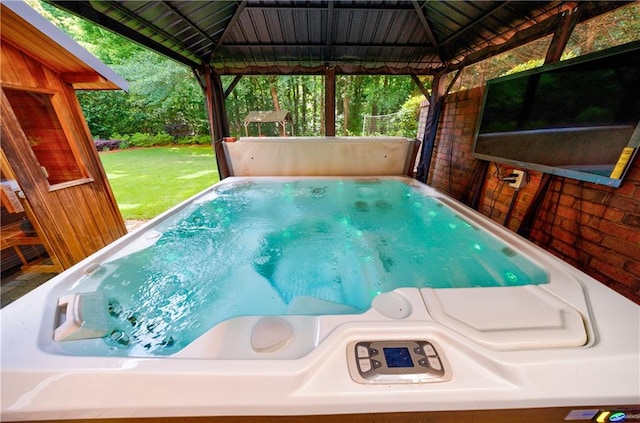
<point x="148" y="181"/>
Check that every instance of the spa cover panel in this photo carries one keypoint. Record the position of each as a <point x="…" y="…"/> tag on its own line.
<point x="508" y="318"/>
<point x="319" y="156"/>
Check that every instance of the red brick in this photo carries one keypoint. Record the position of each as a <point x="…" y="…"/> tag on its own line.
<point x="564" y="238"/>
<point x="568" y="200"/>
<point x="595" y="195"/>
<point x="603" y="254"/>
<point x="591" y="234"/>
<point x="613" y="214"/>
<point x="620" y="231"/>
<point x="567" y="213"/>
<point x="631" y="205"/>
<point x="631" y="220"/>
<point x="571" y="188"/>
<point x="633" y="267"/>
<point x="628" y="189"/>
<point x="614" y="272"/>
<point x="592" y="208"/>
<point x="626" y="248"/>
<point x="569" y="226"/>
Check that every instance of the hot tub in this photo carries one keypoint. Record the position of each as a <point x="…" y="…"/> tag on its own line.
<point x="525" y="331"/>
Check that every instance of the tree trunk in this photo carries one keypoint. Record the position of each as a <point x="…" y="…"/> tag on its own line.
<point x="303" y="125"/>
<point x="345" y="111"/>
<point x="274" y="93"/>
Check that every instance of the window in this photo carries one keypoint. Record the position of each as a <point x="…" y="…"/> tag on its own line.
<point x="46" y="136"/>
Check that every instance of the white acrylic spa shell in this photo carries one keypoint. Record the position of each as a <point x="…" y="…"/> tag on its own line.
<point x="572" y="342"/>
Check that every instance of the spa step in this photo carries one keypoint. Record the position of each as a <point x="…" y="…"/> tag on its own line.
<point x="81" y="316"/>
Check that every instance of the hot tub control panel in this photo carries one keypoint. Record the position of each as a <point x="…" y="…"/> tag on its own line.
<point x="391" y="362"/>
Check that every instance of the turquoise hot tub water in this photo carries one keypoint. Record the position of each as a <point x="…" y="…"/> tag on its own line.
<point x="310" y="246"/>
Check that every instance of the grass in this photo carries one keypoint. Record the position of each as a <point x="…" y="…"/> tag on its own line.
<point x="148" y="181"/>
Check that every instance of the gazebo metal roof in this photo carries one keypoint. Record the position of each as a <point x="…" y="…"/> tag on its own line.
<point x="353" y="36"/>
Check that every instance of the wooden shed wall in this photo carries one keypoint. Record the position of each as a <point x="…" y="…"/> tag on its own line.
<point x="76" y="218"/>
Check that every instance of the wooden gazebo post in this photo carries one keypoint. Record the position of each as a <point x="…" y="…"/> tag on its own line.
<point x="211" y="85"/>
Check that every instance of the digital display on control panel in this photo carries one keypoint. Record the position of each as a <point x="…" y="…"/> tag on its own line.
<point x="398" y="357"/>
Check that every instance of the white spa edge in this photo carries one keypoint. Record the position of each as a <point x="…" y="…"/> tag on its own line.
<point x="494" y="364"/>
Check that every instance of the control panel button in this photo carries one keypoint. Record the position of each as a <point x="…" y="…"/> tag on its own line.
<point x="365" y="365"/>
<point x="434" y="363"/>
<point x="429" y="350"/>
<point x="363" y="352"/>
<point x="423" y="362"/>
<point x="418" y="351"/>
<point x="373" y="351"/>
<point x="376" y="364"/>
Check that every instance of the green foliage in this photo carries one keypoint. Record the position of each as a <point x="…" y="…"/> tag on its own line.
<point x="409" y="116"/>
<point x="146" y="140"/>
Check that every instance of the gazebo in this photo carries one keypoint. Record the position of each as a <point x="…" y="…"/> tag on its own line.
<point x="280" y="118"/>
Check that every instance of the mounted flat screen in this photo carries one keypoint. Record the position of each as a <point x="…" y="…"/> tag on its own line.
<point x="578" y="118"/>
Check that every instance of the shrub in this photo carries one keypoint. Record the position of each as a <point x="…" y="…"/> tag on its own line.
<point x="162" y="139"/>
<point x="147" y="140"/>
<point x="104" y="145"/>
<point x="140" y="140"/>
<point x="194" y="140"/>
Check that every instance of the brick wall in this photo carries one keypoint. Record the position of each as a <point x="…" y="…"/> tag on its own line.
<point x="594" y="228"/>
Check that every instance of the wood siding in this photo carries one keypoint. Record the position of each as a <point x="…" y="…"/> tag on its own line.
<point x="77" y="217"/>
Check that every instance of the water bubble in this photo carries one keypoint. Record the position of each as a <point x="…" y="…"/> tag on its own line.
<point x="453" y="225"/>
<point x="511" y="277"/>
<point x="318" y="192"/>
<point x="477" y="246"/>
<point x="432" y="213"/>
